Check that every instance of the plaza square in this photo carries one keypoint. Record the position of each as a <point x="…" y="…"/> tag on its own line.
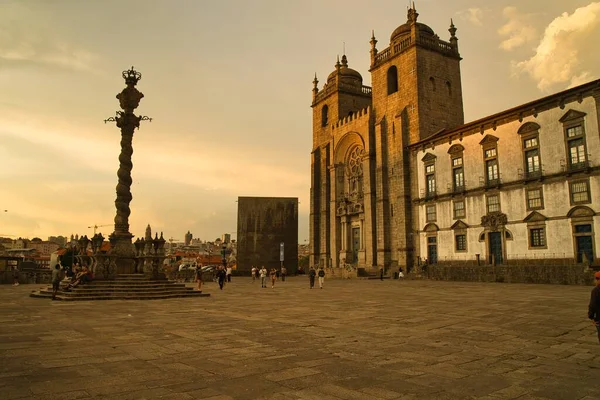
<point x="353" y="339"/>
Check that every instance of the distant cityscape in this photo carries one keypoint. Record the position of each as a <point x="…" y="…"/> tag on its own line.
<point x="40" y="253"/>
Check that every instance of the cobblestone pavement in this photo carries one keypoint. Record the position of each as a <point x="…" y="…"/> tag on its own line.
<point x="351" y="340"/>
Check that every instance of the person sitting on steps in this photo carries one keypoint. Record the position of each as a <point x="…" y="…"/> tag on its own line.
<point x="82" y="276"/>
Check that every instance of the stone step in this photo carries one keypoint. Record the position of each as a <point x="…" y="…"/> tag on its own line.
<point x="126" y="285"/>
<point x="121" y="297"/>
<point x="75" y="292"/>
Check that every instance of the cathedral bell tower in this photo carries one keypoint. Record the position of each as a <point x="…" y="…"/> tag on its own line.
<point x="342" y="95"/>
<point x="416" y="93"/>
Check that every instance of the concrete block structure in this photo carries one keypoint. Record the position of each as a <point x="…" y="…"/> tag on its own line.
<point x="263" y="224"/>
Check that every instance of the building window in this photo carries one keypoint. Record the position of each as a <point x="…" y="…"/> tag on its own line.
<point x="493" y="203"/>
<point x="430" y="180"/>
<point x="580" y="192"/>
<point x="431" y="214"/>
<point x="459" y="209"/>
<point x="576" y="153"/>
<point x="574" y="130"/>
<point x="532" y="157"/>
<point x="535" y="200"/>
<point x="492" y="175"/>
<point x="537" y="237"/>
<point x="324" y="115"/>
<point x="392" y="80"/>
<point x="458" y="175"/>
<point x="460" y="241"/>
<point x="432" y="81"/>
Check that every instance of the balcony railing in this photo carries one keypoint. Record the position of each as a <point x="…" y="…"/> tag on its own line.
<point x="533" y="174"/>
<point x="458" y="189"/>
<point x="488" y="183"/>
<point x="430" y="194"/>
<point x="583" y="165"/>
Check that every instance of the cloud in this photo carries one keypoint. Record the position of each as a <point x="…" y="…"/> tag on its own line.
<point x="473" y="15"/>
<point x="28" y="37"/>
<point x="61" y="180"/>
<point x="558" y="57"/>
<point x="517" y="31"/>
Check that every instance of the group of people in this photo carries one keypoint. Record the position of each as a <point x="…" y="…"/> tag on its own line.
<point x="79" y="275"/>
<point x="273" y="275"/>
<point x="312" y="273"/>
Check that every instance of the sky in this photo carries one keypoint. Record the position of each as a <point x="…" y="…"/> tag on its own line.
<point x="228" y="85"/>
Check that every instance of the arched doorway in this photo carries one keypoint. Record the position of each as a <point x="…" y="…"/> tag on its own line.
<point x="494" y="224"/>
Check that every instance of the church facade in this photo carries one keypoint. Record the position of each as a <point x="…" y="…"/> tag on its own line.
<point x="398" y="179"/>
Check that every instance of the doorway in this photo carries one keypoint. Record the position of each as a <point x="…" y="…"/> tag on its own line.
<point x="495" y="248"/>
<point x="585" y="247"/>
<point x="355" y="244"/>
<point x="432" y="253"/>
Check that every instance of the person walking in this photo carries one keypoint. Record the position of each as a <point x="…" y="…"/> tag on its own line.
<point x="594" y="307"/>
<point x="221" y="276"/>
<point x="56" y="278"/>
<point x="381" y="273"/>
<point x="321" y="277"/>
<point x="229" y="270"/>
<point x="263" y="276"/>
<point x="199" y="277"/>
<point x="15" y="276"/>
<point x="273" y="277"/>
<point x="283" y="273"/>
<point x="253" y="272"/>
<point x="311" y="277"/>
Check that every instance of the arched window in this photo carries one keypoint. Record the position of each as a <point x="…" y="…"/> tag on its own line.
<point x="354" y="172"/>
<point x="324" y="115"/>
<point x="432" y="82"/>
<point x="392" y="80"/>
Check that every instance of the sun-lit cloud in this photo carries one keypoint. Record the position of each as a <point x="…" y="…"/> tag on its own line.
<point x="181" y="183"/>
<point x="474" y="15"/>
<point x="27" y="38"/>
<point x="518" y="29"/>
<point x="558" y="58"/>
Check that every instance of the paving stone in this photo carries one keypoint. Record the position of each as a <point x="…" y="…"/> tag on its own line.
<point x="354" y="340"/>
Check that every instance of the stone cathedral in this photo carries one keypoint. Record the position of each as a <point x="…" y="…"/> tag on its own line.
<point x="398" y="178"/>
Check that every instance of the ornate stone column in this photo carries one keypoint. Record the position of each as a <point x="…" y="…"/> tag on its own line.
<point x="127" y="121"/>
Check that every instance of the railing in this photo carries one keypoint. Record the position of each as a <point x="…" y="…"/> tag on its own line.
<point x="383" y="55"/>
<point x="458" y="189"/>
<point x="583" y="165"/>
<point x="533" y="174"/>
<point x="430" y="194"/>
<point x="432" y="43"/>
<point x="492" y="182"/>
<point x="330" y="88"/>
<point x="403" y="45"/>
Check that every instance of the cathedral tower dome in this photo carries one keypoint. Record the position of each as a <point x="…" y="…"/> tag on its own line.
<point x="405" y="29"/>
<point x="345" y="74"/>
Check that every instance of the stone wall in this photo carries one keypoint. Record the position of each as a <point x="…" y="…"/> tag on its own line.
<point x="549" y="274"/>
<point x="263" y="223"/>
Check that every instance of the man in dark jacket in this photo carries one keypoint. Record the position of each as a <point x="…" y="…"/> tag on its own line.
<point x="594" y="307"/>
<point x="221" y="273"/>
<point x="311" y="276"/>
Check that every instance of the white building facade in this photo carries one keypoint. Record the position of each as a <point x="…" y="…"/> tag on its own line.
<point x="522" y="185"/>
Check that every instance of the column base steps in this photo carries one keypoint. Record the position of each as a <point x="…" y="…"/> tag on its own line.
<point x="124" y="287"/>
